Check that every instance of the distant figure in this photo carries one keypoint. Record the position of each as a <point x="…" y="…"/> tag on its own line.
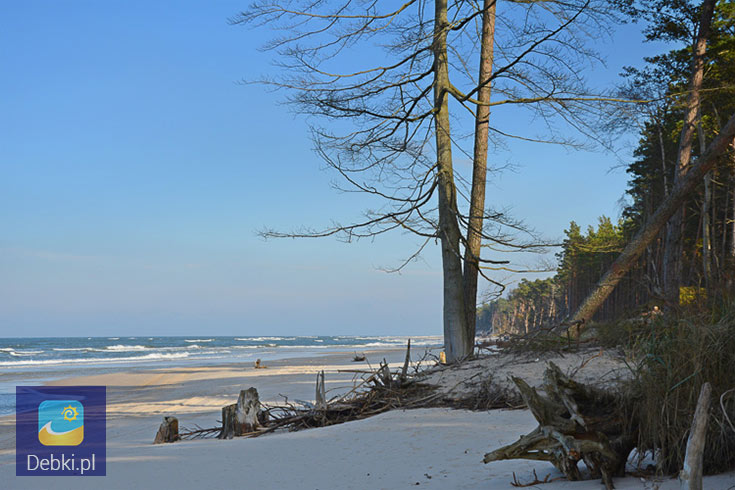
<point x="649" y="316"/>
<point x="258" y="365"/>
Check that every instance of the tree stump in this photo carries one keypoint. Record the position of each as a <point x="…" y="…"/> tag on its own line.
<point x="576" y="423"/>
<point x="241" y="417"/>
<point x="321" y="393"/>
<point x="406" y="363"/>
<point x="384" y="374"/>
<point x="168" y="431"/>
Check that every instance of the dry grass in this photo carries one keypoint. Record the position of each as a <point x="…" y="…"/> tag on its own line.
<point x="675" y="358"/>
<point x="487" y="395"/>
<point x="671" y="360"/>
<point x="622" y="334"/>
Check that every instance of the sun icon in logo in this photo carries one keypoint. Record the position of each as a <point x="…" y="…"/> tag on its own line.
<point x="70" y="413"/>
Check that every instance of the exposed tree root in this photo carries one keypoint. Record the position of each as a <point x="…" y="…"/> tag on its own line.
<point x="576" y="423"/>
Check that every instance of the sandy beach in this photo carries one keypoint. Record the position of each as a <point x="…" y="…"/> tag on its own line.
<point x="425" y="448"/>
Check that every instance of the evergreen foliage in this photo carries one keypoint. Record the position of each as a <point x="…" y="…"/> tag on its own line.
<point x="708" y="254"/>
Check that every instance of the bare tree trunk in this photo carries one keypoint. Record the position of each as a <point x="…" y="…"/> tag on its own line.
<point x="648" y="233"/>
<point x="713" y="213"/>
<point x="672" y="258"/>
<point x="723" y="238"/>
<point x="663" y="157"/>
<point x="707" y="231"/>
<point x="455" y="317"/>
<point x="706" y="209"/>
<point x="689" y="278"/>
<point x="479" y="170"/>
<point x="732" y="219"/>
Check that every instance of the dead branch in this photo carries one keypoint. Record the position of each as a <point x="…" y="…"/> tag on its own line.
<point x="535" y="481"/>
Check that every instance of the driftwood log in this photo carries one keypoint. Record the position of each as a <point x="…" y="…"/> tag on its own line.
<point x="242" y="417"/>
<point x="576" y="423"/>
<point x="168" y="431"/>
<point x="691" y="474"/>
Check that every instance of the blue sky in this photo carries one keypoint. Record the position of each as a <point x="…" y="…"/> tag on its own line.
<point x="135" y="172"/>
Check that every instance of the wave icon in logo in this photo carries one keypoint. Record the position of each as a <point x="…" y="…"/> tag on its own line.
<point x="60" y="423"/>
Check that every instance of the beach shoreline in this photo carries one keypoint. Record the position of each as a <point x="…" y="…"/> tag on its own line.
<point x="122" y="381"/>
<point x="426" y="447"/>
<point x="36" y="361"/>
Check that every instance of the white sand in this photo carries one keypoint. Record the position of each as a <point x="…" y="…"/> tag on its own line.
<point x="434" y="448"/>
<point x="592" y="366"/>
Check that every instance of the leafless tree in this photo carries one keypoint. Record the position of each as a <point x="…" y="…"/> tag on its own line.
<point x="383" y="76"/>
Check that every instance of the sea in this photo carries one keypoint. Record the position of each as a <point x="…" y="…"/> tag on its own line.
<point x="33" y="361"/>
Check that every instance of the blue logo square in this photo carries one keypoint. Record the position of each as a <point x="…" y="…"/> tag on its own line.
<point x="60" y="431"/>
<point x="61" y="423"/>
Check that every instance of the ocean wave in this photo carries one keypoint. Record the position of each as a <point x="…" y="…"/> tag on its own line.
<point x="24" y="353"/>
<point x="264" y="339"/>
<point x="125" y="348"/>
<point x="380" y="344"/>
<point x="394" y="341"/>
<point x="198" y="340"/>
<point x="310" y="347"/>
<point x="51" y="362"/>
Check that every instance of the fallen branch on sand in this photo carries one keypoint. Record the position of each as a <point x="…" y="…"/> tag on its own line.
<point x="377" y="391"/>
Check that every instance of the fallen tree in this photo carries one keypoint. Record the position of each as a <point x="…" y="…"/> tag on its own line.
<point x="651" y="229"/>
<point x="576" y="423"/>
